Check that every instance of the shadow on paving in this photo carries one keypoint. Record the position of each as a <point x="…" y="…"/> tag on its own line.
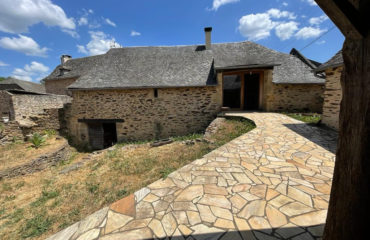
<point x="322" y="136"/>
<point x="290" y="233"/>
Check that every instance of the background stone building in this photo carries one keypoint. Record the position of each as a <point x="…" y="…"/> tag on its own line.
<point x="333" y="91"/>
<point x="138" y="93"/>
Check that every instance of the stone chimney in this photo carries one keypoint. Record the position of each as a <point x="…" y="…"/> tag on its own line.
<point x="64" y="59"/>
<point x="208" y="31"/>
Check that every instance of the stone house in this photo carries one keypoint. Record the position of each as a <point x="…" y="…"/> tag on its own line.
<point x="333" y="91"/>
<point x="136" y="93"/>
<point x="26" y="108"/>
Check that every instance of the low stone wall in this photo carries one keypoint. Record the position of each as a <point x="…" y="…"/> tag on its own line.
<point x="38" y="164"/>
<point x="9" y="132"/>
<point x="26" y="105"/>
<point x="332" y="97"/>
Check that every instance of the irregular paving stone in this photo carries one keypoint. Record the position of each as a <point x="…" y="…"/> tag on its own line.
<point x="242" y="178"/>
<point x="139" y="195"/>
<point x="237" y="201"/>
<point x="160" y="206"/>
<point x="144" y="210"/>
<point x="92" y="221"/>
<point x="310" y="219"/>
<point x="241" y="188"/>
<point x="280" y="201"/>
<point x="184" y="206"/>
<point x="254" y="208"/>
<point x="181" y="217"/>
<point x="299" y="196"/>
<point x="116" y="221"/>
<point x="223" y="223"/>
<point x="189" y="193"/>
<point x="262" y="236"/>
<point x="259" y="190"/>
<point x="244" y="229"/>
<point x="194" y="217"/>
<point x="66" y="233"/>
<point x="90" y="235"/>
<point x="260" y="223"/>
<point x="295" y="208"/>
<point x="157" y="228"/>
<point x="206" y="214"/>
<point x="185" y="230"/>
<point x="271" y="193"/>
<point x="231" y="235"/>
<point x="162" y="183"/>
<point x="125" y="206"/>
<point x="222" y="213"/>
<point x="203" y="232"/>
<point x="215" y="200"/>
<point x="150" y="198"/>
<point x="135" y="224"/>
<point x="275" y="217"/>
<point x="169" y="224"/>
<point x="136" y="234"/>
<point x="289" y="230"/>
<point x="214" y="189"/>
<point x="248" y="196"/>
<point x="317" y="231"/>
<point x="304" y="236"/>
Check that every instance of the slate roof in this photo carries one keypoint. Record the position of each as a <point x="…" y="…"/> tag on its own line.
<point x="181" y="66"/>
<point x="335" y="61"/>
<point x="311" y="63"/>
<point x="26" y="86"/>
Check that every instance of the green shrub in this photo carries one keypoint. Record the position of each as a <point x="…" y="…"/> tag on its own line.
<point x="37" y="140"/>
<point x="37" y="225"/>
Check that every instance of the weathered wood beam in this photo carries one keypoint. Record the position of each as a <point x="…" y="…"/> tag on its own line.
<point x="352" y="22"/>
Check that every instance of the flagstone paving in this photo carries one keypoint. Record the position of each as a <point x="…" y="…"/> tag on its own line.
<point x="271" y="183"/>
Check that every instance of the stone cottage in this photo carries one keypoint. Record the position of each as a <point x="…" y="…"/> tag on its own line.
<point x="333" y="90"/>
<point x="135" y="93"/>
<point x="26" y="108"/>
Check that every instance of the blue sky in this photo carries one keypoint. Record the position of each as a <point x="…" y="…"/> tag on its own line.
<point x="34" y="33"/>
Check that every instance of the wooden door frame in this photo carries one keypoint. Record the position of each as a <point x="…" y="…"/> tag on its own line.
<point x="241" y="74"/>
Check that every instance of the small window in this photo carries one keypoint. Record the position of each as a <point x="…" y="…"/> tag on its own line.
<point x="155" y="92"/>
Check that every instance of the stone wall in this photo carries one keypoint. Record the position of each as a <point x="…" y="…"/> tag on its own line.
<point x="176" y="111"/>
<point x="58" y="86"/>
<point x="293" y="97"/>
<point x="9" y="132"/>
<point x="332" y="97"/>
<point x="6" y="105"/>
<point x="39" y="163"/>
<point x="27" y="106"/>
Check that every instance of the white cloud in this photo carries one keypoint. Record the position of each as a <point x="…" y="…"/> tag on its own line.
<point x="218" y="3"/>
<point x="83" y="21"/>
<point x="321" y="42"/>
<point x="100" y="43"/>
<point x="2" y="64"/>
<point x="72" y="33"/>
<point x="24" y="45"/>
<point x="90" y="11"/>
<point x="309" y="32"/>
<point x="276" y="13"/>
<point x="134" y="33"/>
<point x="285" y="4"/>
<point x="311" y="2"/>
<point x="318" y="20"/>
<point x="110" y="22"/>
<point x="285" y="31"/>
<point x="17" y="15"/>
<point x="34" y="70"/>
<point x="256" y="26"/>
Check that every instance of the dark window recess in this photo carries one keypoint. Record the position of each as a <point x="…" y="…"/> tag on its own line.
<point x="155" y="92"/>
<point x="231" y="89"/>
<point x="251" y="91"/>
<point x="102" y="135"/>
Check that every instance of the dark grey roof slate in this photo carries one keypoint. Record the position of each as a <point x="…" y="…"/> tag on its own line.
<point x="335" y="61"/>
<point x="150" y="67"/>
<point x="77" y="67"/>
<point x="181" y="66"/>
<point x="26" y="86"/>
<point x="311" y="63"/>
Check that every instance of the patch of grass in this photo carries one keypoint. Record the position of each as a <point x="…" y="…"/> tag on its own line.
<point x="312" y="118"/>
<point x="17" y="215"/>
<point x="45" y="196"/>
<point x="37" y="225"/>
<point x="121" y="193"/>
<point x="49" y="133"/>
<point x="166" y="171"/>
<point x="7" y="187"/>
<point x="92" y="187"/>
<point x="19" y="185"/>
<point x="192" y="136"/>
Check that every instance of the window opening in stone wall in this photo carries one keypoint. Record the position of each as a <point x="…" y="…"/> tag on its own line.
<point x="155" y="92"/>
